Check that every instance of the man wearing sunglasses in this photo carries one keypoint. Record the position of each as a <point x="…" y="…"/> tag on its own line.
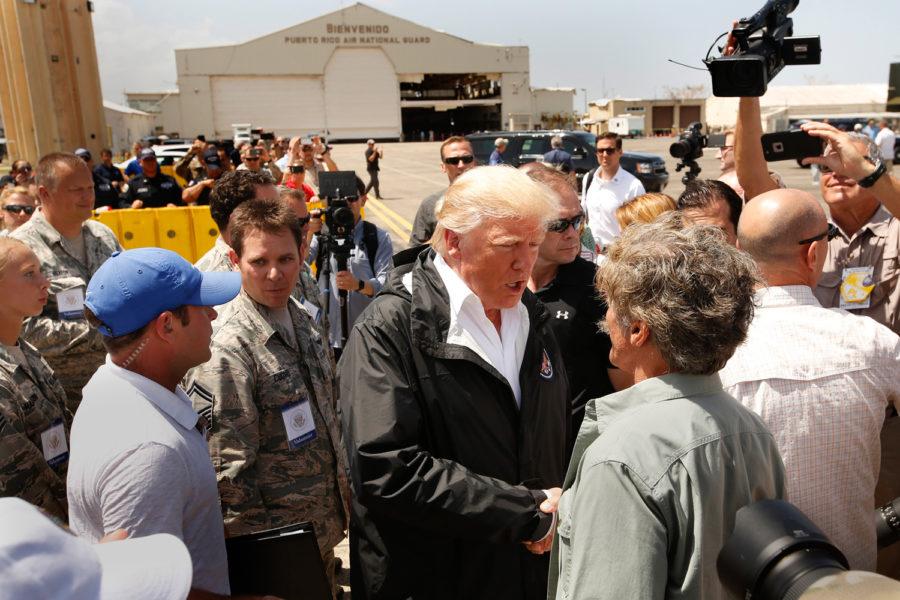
<point x="564" y="282"/>
<point x="457" y="157"/>
<point x="296" y="179"/>
<point x="17" y="204"/>
<point x="605" y="189"/>
<point x="821" y="378"/>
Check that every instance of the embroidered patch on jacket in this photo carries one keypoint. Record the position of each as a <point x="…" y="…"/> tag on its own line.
<point x="546" y="366"/>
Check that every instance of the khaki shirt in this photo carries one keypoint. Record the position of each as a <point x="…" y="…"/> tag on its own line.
<point x="255" y="373"/>
<point x="876" y="244"/>
<point x="73" y="349"/>
<point x="32" y="403"/>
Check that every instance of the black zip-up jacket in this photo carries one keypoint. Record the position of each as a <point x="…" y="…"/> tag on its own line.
<point x="446" y="470"/>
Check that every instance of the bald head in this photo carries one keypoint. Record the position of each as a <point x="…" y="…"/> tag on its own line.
<point x="772" y="225"/>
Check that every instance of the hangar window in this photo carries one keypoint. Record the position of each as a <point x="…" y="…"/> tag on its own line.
<point x="436" y="106"/>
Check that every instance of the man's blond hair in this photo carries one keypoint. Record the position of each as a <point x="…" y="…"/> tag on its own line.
<point x="489" y="194"/>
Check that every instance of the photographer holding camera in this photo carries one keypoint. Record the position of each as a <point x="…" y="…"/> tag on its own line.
<point x="367" y="267"/>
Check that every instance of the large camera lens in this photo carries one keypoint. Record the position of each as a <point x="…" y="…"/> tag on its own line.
<point x="887" y="523"/>
<point x="776" y="552"/>
<point x="682" y="148"/>
<point x="739" y="76"/>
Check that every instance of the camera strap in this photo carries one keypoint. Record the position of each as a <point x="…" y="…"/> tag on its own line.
<point x="590" y="176"/>
<point x="370" y="242"/>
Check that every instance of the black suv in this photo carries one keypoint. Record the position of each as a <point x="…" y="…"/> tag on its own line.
<point x="529" y="146"/>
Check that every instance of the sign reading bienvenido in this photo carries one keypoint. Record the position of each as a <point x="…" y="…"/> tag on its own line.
<point x="356" y="34"/>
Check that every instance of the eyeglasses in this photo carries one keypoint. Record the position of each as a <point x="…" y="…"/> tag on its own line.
<point x="298" y="169"/>
<point x="19" y="208"/>
<point x="607" y="151"/>
<point x="455" y="160"/>
<point x="561" y="225"/>
<point x="251" y="158"/>
<point x="304" y="220"/>
<point x="830" y="233"/>
<point x="25" y="169"/>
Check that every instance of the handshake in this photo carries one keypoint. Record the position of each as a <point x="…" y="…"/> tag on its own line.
<point x="548" y="506"/>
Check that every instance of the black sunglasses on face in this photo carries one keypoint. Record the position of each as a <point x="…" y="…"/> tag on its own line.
<point x="304" y="220"/>
<point x="18" y="208"/>
<point x="455" y="160"/>
<point x="609" y="151"/>
<point x="561" y="225"/>
<point x="830" y="233"/>
<point x="298" y="169"/>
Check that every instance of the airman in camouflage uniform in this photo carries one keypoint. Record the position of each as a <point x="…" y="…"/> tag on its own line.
<point x="216" y="258"/>
<point x="308" y="289"/>
<point x="257" y="374"/>
<point x="71" y="347"/>
<point x="34" y="429"/>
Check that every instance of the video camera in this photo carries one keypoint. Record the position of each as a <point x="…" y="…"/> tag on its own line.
<point x="337" y="189"/>
<point x="764" y="46"/>
<point x="777" y="553"/>
<point x="688" y="149"/>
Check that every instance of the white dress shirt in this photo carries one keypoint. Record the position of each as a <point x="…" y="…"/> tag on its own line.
<point x="470" y="327"/>
<point x="603" y="198"/>
<point x="821" y="379"/>
<point x="885" y="139"/>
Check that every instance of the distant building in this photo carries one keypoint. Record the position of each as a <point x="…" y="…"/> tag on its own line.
<point x="125" y="125"/>
<point x="353" y="74"/>
<point x="661" y="117"/>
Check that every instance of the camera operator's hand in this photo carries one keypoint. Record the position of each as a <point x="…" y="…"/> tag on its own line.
<point x="843" y="157"/>
<point x="346" y="281"/>
<point x="197" y="147"/>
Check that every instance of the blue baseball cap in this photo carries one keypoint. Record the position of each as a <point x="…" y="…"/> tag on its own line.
<point x="135" y="286"/>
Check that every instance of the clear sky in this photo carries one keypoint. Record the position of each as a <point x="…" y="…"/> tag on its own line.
<point x="611" y="48"/>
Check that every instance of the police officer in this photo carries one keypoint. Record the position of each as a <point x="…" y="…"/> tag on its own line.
<point x="564" y="282"/>
<point x="34" y="449"/>
<point x="152" y="189"/>
<point x="269" y="391"/>
<point x="106" y="186"/>
<point x="71" y="247"/>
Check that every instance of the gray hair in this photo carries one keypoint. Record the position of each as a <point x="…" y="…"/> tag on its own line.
<point x="555" y="141"/>
<point x="873" y="154"/>
<point x="487" y="194"/>
<point x="692" y="289"/>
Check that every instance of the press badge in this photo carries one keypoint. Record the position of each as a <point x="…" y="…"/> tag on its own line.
<point x="70" y="303"/>
<point x="298" y="423"/>
<point x="857" y="284"/>
<point x="53" y="443"/>
<point x="312" y="309"/>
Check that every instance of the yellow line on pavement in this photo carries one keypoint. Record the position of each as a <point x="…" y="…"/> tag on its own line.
<point x="390" y="214"/>
<point x="378" y="211"/>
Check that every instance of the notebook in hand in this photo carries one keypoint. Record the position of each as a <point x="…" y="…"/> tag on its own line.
<point x="284" y="562"/>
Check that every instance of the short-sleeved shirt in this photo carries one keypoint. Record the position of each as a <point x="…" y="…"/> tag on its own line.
<point x="203" y="198"/>
<point x="496" y="158"/>
<point x="575" y="310"/>
<point x="138" y="462"/>
<point x="876" y="245"/>
<point x="601" y="198"/>
<point x="154" y="192"/>
<point x="372" y="165"/>
<point x="134" y="168"/>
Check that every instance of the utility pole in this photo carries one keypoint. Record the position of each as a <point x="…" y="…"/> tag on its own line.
<point x="50" y="96"/>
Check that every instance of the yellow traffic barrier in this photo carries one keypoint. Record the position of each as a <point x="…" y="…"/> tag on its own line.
<point x="189" y="231"/>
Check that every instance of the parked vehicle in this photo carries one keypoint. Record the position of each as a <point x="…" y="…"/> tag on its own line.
<point x="529" y="146"/>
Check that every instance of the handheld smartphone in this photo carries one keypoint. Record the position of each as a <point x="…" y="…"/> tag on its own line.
<point x="790" y="145"/>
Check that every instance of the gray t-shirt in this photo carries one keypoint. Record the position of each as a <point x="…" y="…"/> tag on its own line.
<point x="138" y="462"/>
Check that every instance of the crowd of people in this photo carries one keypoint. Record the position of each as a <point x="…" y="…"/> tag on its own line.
<point x="553" y="392"/>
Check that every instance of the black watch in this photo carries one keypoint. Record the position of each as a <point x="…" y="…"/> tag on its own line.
<point x="361" y="286"/>
<point x="869" y="180"/>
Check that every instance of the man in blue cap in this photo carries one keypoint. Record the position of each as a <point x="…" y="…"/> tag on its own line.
<point x="138" y="458"/>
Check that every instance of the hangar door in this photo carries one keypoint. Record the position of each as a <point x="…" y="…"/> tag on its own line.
<point x="286" y="105"/>
<point x="362" y="95"/>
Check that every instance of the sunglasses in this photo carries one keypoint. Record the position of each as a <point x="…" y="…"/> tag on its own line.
<point x="830" y="233"/>
<point x="561" y="225"/>
<point x="25" y="169"/>
<point x="455" y="160"/>
<point x="298" y="169"/>
<point x="19" y="208"/>
<point x="608" y="151"/>
<point x="251" y="158"/>
<point x="304" y="220"/>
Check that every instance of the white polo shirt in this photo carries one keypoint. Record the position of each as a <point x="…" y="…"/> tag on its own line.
<point x="884" y="139"/>
<point x="138" y="462"/>
<point x="601" y="200"/>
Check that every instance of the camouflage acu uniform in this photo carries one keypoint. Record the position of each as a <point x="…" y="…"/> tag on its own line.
<point x="31" y="403"/>
<point x="72" y="348"/>
<point x="216" y="258"/>
<point x="308" y="289"/>
<point x="255" y="372"/>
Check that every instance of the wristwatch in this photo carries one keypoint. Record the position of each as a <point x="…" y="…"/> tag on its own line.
<point x="361" y="286"/>
<point x="869" y="180"/>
